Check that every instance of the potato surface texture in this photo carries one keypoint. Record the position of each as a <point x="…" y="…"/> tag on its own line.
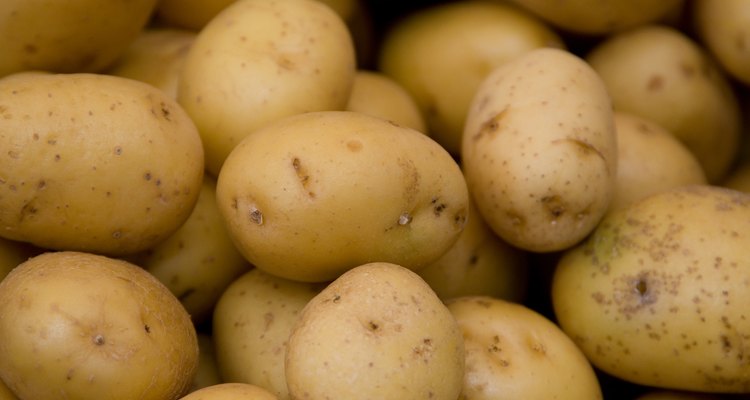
<point x="539" y="150"/>
<point x="231" y="391"/>
<point x="94" y="163"/>
<point x="658" y="294"/>
<point x="82" y="326"/>
<point x="376" y="332"/>
<point x="312" y="195"/>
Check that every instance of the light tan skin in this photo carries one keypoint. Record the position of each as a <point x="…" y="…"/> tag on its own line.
<point x="231" y="391"/>
<point x="657" y="295"/>
<point x="724" y="28"/>
<point x="378" y="331"/>
<point x="377" y="94"/>
<point x="77" y="325"/>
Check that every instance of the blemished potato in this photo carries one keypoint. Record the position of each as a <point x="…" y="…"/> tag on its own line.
<point x="724" y="28"/>
<point x="650" y="159"/>
<point x="658" y="294"/>
<point x="155" y="57"/>
<point x="207" y="372"/>
<point x="313" y="195"/>
<point x="258" y="61"/>
<point x="94" y="163"/>
<point x="442" y="53"/>
<point x="83" y="326"/>
<point x="539" y="150"/>
<point x="376" y="332"/>
<point x="659" y="73"/>
<point x="513" y="352"/>
<point x="252" y="322"/>
<point x="377" y="94"/>
<point x="231" y="391"/>
<point x="70" y="36"/>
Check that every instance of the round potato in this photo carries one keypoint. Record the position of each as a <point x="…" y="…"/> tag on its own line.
<point x="657" y="295"/>
<point x="260" y="60"/>
<point x="94" y="163"/>
<point x="724" y="28"/>
<point x="376" y="332"/>
<point x="539" y="150"/>
<point x="377" y="94"/>
<point x="83" y="326"/>
<point x="659" y="73"/>
<point x="231" y="391"/>
<point x="313" y="195"/>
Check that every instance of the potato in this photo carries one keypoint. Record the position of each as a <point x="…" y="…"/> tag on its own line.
<point x="207" y="372"/>
<point x="442" y="53"/>
<point x="230" y="391"/>
<point x="260" y="60"/>
<point x="5" y="393"/>
<point x="377" y="94"/>
<point x="650" y="159"/>
<point x="94" y="163"/>
<point x="513" y="352"/>
<point x="724" y="28"/>
<point x="83" y="326"/>
<point x="251" y="324"/>
<point x="657" y="295"/>
<point x="70" y="36"/>
<point x="660" y="74"/>
<point x="313" y="195"/>
<point x="539" y="150"/>
<point x="376" y="332"/>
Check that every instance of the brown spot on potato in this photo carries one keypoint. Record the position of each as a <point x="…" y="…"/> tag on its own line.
<point x="98" y="339"/>
<point x="404" y="219"/>
<point x="492" y="126"/>
<point x="30" y="48"/>
<point x="302" y="175"/>
<point x="554" y="206"/>
<point x="256" y="216"/>
<point x="354" y="145"/>
<point x="655" y="83"/>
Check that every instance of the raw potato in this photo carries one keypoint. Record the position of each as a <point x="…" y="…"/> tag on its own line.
<point x="231" y="391"/>
<point x="441" y="55"/>
<point x="658" y="294"/>
<point x="260" y="60"/>
<point x="70" y="36"/>
<point x="650" y="159"/>
<point x="512" y="352"/>
<point x="724" y="28"/>
<point x="94" y="163"/>
<point x="252" y="322"/>
<point x="376" y="332"/>
<point x="313" y="195"/>
<point x="660" y="74"/>
<point x="82" y="326"/>
<point x="377" y="94"/>
<point x="539" y="150"/>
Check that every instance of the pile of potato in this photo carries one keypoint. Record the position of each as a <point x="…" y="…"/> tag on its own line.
<point x="338" y="199"/>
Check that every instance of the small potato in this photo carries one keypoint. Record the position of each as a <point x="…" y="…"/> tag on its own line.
<point x="82" y="326"/>
<point x="377" y="94"/>
<point x="231" y="391"/>
<point x="376" y="332"/>
<point x="539" y="150"/>
<point x="724" y="27"/>
<point x="658" y="294"/>
<point x="94" y="163"/>
<point x="313" y="195"/>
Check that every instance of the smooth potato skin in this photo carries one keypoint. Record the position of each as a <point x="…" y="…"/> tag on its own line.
<point x="379" y="95"/>
<point x="724" y="29"/>
<point x="231" y="391"/>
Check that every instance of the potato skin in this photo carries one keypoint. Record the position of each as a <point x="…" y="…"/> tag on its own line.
<point x="379" y="95"/>
<point x="724" y="28"/>
<point x="231" y="391"/>
<point x="313" y="195"/>
<point x="539" y="150"/>
<point x="657" y="295"/>
<point x="94" y="163"/>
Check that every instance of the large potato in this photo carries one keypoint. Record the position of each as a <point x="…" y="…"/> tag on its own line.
<point x="94" y="163"/>
<point x="658" y="294"/>
<point x="376" y="332"/>
<point x="724" y="27"/>
<point x="312" y="195"/>
<point x="260" y="60"/>
<point x="539" y="150"/>
<point x="82" y="326"/>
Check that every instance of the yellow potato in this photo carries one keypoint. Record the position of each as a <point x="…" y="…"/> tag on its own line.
<point x="724" y="28"/>
<point x="658" y="294"/>
<point x="661" y="74"/>
<point x="539" y="150"/>
<point x="230" y="391"/>
<point x="513" y="352"/>
<point x="442" y="53"/>
<point x="377" y="94"/>
<point x="376" y="332"/>
<point x="69" y="36"/>
<point x="313" y="195"/>
<point x="94" y="163"/>
<point x="258" y="61"/>
<point x="82" y="326"/>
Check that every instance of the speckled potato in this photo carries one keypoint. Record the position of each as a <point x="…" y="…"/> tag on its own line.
<point x="82" y="326"/>
<point x="661" y="74"/>
<point x="724" y="28"/>
<point x="539" y="150"/>
<point x="513" y="352"/>
<point x="442" y="53"/>
<point x="313" y="195"/>
<point x="251" y="324"/>
<point x="376" y="332"/>
<point x="94" y="163"/>
<point x="658" y="294"/>
<point x="231" y="391"/>
<point x="260" y="60"/>
<point x="377" y="94"/>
